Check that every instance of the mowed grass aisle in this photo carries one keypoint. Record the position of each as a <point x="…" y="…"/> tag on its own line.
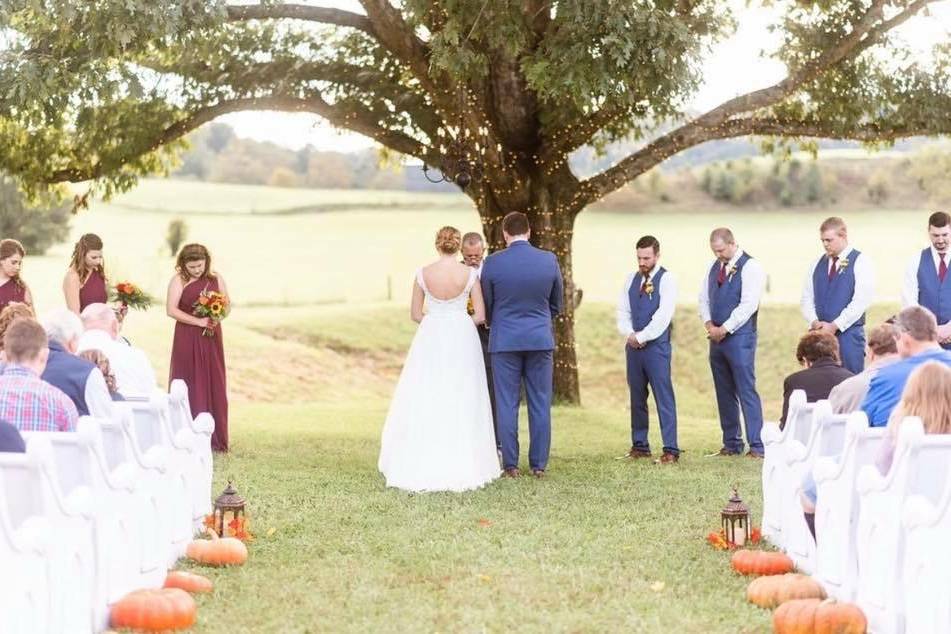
<point x="598" y="545"/>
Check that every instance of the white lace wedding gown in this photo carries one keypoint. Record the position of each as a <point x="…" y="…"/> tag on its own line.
<point x="438" y="433"/>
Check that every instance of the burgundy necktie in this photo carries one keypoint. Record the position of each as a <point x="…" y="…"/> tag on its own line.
<point x="721" y="276"/>
<point x="832" y="269"/>
<point x="942" y="270"/>
<point x="644" y="285"/>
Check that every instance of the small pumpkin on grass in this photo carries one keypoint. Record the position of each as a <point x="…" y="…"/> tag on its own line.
<point x="154" y="610"/>
<point x="758" y="562"/>
<point x="188" y="581"/>
<point x="217" y="551"/>
<point x="814" y="616"/>
<point x="774" y="590"/>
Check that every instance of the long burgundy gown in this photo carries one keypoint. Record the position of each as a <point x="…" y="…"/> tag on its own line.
<point x="10" y="291"/>
<point x="200" y="362"/>
<point x="93" y="291"/>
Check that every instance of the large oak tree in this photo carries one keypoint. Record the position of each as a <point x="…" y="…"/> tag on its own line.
<point x="104" y="90"/>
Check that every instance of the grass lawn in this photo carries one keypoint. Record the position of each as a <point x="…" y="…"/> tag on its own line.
<point x="313" y="354"/>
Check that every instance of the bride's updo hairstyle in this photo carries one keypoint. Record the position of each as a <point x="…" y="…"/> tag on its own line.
<point x="448" y="240"/>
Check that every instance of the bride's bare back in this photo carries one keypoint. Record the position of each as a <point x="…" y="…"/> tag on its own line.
<point x="446" y="278"/>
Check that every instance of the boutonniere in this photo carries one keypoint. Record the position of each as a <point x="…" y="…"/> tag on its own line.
<point x="843" y="264"/>
<point x="732" y="272"/>
<point x="469" y="308"/>
<point x="649" y="289"/>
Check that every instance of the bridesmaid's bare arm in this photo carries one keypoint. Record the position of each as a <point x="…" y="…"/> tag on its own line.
<point x="71" y="286"/>
<point x="222" y="287"/>
<point x="416" y="306"/>
<point x="478" y="305"/>
<point x="175" y="288"/>
<point x="28" y="298"/>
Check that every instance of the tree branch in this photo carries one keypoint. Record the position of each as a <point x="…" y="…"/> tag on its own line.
<point x="397" y="36"/>
<point x="339" y="17"/>
<point x="865" y="33"/>
<point x="360" y="122"/>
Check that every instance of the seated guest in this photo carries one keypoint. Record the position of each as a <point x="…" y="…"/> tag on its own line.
<point x="79" y="379"/>
<point x="10" y="439"/>
<point x="134" y="373"/>
<point x="102" y="362"/>
<point x="26" y="401"/>
<point x="818" y="353"/>
<point x="13" y="310"/>
<point x="881" y="350"/>
<point x="927" y="395"/>
<point x="917" y="344"/>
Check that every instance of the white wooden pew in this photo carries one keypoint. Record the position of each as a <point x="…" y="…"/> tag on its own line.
<point x="837" y="507"/>
<point x="920" y="467"/>
<point x="775" y="442"/>
<point x="26" y="547"/>
<point x="826" y="438"/>
<point x="200" y="429"/>
<point x="927" y="570"/>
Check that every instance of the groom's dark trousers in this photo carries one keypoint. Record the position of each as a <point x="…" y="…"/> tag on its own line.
<point x="522" y="287"/>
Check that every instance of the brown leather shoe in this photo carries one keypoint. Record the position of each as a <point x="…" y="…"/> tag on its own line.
<point x="635" y="453"/>
<point x="538" y="473"/>
<point x="724" y="452"/>
<point x="511" y="473"/>
<point x="750" y="454"/>
<point x="668" y="458"/>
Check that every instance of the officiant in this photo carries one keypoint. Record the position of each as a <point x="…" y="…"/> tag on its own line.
<point x="473" y="252"/>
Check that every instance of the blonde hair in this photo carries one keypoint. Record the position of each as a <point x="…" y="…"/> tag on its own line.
<point x="448" y="240"/>
<point x="927" y="395"/>
<point x="834" y="223"/>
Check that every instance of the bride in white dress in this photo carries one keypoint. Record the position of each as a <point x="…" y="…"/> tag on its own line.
<point x="438" y="433"/>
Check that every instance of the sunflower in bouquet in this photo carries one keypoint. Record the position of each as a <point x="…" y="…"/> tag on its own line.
<point x="215" y="306"/>
<point x="131" y="296"/>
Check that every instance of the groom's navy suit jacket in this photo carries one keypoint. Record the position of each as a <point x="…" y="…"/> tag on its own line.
<point x="522" y="288"/>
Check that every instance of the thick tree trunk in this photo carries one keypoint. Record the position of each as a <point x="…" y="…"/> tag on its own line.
<point x="544" y="199"/>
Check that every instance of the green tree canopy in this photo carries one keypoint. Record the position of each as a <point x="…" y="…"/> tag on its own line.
<point x="104" y="90"/>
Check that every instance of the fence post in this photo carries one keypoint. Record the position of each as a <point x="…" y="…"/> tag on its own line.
<point x="389" y="288"/>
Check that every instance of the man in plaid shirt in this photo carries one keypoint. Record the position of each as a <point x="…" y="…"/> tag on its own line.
<point x="26" y="401"/>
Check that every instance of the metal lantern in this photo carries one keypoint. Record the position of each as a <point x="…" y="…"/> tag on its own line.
<point x="229" y="506"/>
<point x="736" y="520"/>
<point x="458" y="164"/>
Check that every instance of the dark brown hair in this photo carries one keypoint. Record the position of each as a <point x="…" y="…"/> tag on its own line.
<point x="88" y="242"/>
<point x="817" y="345"/>
<point x="192" y="253"/>
<point x="24" y="340"/>
<point x="648" y="242"/>
<point x="8" y="248"/>
<point x="515" y="223"/>
<point x="939" y="219"/>
<point x="102" y="362"/>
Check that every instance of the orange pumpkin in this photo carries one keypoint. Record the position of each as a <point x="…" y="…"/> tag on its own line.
<point x="216" y="551"/>
<point x="154" y="610"/>
<point x="812" y="616"/>
<point x="774" y="590"/>
<point x="188" y="581"/>
<point x="758" y="562"/>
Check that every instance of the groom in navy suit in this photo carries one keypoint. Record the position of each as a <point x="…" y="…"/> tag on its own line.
<point x="522" y="288"/>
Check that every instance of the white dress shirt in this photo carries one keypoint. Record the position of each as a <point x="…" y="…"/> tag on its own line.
<point x="134" y="373"/>
<point x="662" y="317"/>
<point x="861" y="298"/>
<point x="98" y="399"/>
<point x="909" y="290"/>
<point x="754" y="284"/>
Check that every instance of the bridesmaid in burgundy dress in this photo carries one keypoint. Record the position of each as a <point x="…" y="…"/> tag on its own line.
<point x="12" y="288"/>
<point x="197" y="359"/>
<point x="85" y="281"/>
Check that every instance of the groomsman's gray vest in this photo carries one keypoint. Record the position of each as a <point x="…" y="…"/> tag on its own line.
<point x="724" y="299"/>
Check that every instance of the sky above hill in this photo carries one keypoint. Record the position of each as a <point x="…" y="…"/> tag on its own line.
<point x="736" y="66"/>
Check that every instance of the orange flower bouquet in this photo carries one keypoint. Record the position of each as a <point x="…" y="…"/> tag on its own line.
<point x="131" y="296"/>
<point x="215" y="306"/>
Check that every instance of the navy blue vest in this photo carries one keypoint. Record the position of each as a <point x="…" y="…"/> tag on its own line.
<point x="932" y="293"/>
<point x="68" y="373"/>
<point x="644" y="305"/>
<point x="831" y="297"/>
<point x="724" y="299"/>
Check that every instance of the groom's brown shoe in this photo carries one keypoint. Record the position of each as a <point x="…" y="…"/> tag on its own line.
<point x="538" y="473"/>
<point x="511" y="473"/>
<point x="635" y="453"/>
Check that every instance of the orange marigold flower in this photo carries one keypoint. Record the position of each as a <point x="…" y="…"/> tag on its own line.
<point x="203" y="300"/>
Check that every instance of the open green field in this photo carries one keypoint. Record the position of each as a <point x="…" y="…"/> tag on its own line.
<point x="314" y="351"/>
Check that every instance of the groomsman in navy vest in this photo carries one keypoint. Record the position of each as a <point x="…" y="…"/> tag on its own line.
<point x="837" y="291"/>
<point x="645" y="310"/>
<point x="729" y="304"/>
<point x="926" y="278"/>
